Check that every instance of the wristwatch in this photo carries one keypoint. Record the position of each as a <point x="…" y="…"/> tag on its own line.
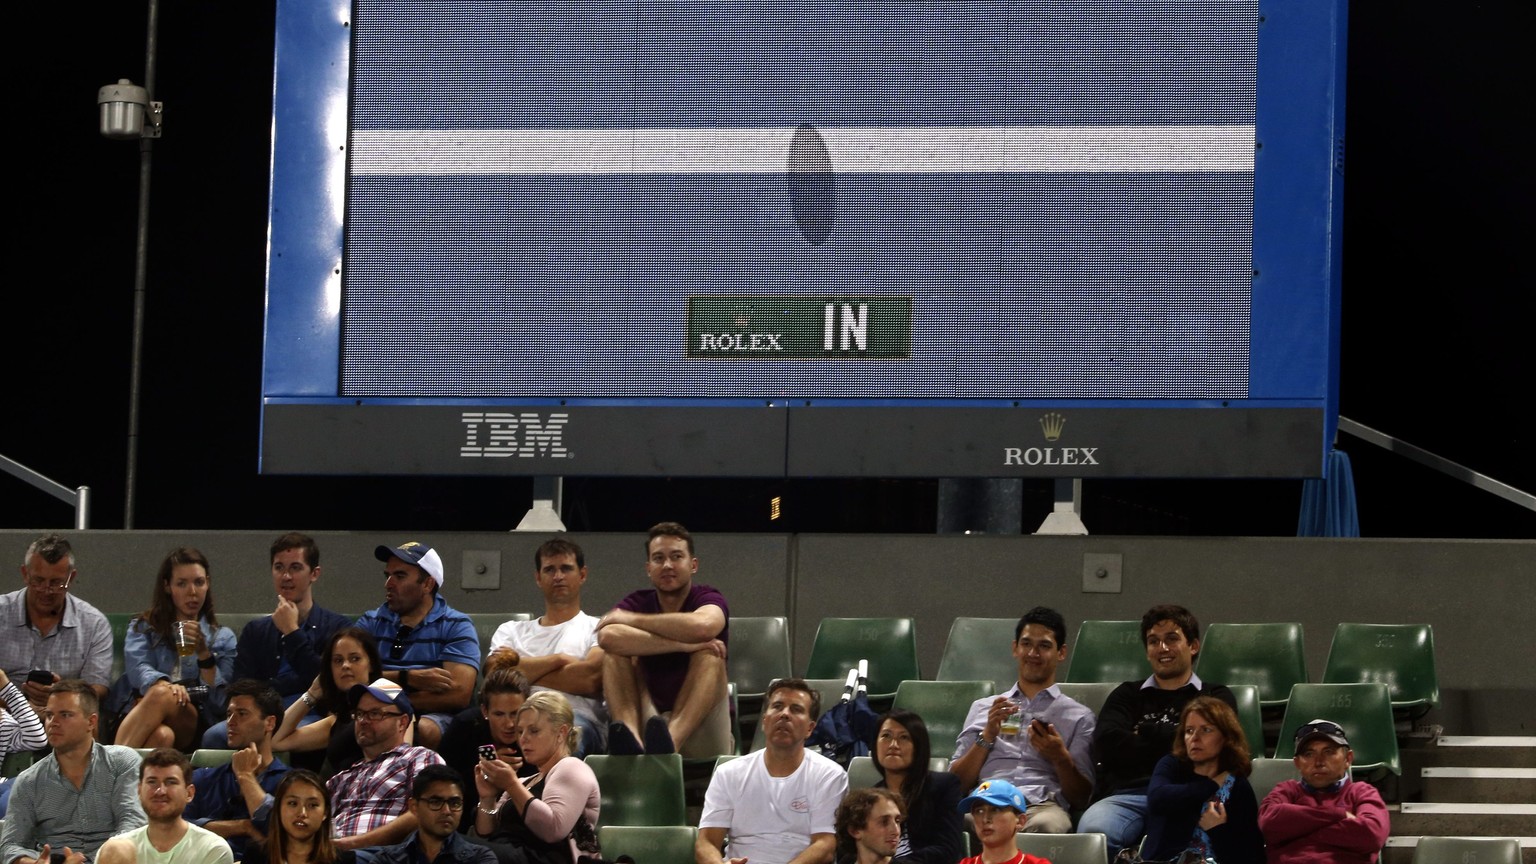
<point x="307" y="699"/>
<point x="984" y="743"/>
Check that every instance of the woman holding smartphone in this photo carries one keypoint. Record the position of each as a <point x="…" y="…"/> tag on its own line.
<point x="178" y="659"/>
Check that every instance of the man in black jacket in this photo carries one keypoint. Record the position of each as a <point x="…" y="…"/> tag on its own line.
<point x="1138" y="721"/>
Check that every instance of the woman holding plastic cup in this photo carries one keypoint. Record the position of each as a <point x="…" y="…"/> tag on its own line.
<point x="178" y="660"/>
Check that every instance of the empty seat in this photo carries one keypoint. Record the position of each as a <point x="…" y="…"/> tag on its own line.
<point x="889" y="644"/>
<point x="759" y="654"/>
<point x="1365" y="712"/>
<point x="1271" y="656"/>
<point x="649" y="844"/>
<point x="1465" y="850"/>
<point x="980" y="649"/>
<point x="1107" y="651"/>
<point x="942" y="705"/>
<point x="1065" y="848"/>
<point x="1267" y="773"/>
<point x="1401" y="656"/>
<point x="640" y="790"/>
<point x="1090" y="693"/>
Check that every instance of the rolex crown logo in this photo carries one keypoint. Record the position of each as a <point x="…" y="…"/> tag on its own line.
<point x="1051" y="424"/>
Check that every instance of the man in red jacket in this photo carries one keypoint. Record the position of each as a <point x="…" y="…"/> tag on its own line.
<point x="1324" y="817"/>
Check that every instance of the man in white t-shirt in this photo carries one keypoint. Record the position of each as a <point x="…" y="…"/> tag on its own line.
<point x="558" y="650"/>
<point x="779" y="804"/>
<point x="164" y="789"/>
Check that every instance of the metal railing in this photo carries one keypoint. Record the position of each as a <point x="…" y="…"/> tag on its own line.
<point x="1439" y="463"/>
<point x="78" y="498"/>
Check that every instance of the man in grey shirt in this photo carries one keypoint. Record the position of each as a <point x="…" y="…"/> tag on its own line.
<point x="77" y="796"/>
<point x="44" y="627"/>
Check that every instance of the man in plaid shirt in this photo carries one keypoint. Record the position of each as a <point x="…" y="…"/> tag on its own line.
<point x="370" y="796"/>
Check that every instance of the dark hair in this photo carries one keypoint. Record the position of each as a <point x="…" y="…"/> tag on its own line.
<point x="1183" y="618"/>
<point x="268" y="703"/>
<point x="504" y="680"/>
<point x="795" y="684"/>
<point x="50" y="548"/>
<point x="324" y="849"/>
<point x="668" y="529"/>
<point x="854" y="813"/>
<point x="160" y="617"/>
<point x="332" y="701"/>
<point x="435" y="774"/>
<point x="295" y="540"/>
<point x="1045" y="617"/>
<point x="560" y="546"/>
<point x="165" y="757"/>
<point x="90" y="703"/>
<point x="917" y="774"/>
<point x="1234" y="751"/>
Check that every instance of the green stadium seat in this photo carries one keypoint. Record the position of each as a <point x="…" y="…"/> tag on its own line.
<point x="119" y="622"/>
<point x="640" y="790"/>
<point x="648" y="844"/>
<point x="889" y="644"/>
<point x="1107" y="651"/>
<point x="862" y="772"/>
<point x="1401" y="656"/>
<point x="942" y="705"/>
<point x="211" y="757"/>
<point x="1250" y="715"/>
<point x="759" y="654"/>
<point x="980" y="649"/>
<point x="1467" y="850"/>
<point x="1065" y="848"/>
<point x="1090" y="693"/>
<point x="1365" y="712"/>
<point x="487" y="622"/>
<point x="1268" y="773"/>
<point x="16" y="762"/>
<point x="1271" y="656"/>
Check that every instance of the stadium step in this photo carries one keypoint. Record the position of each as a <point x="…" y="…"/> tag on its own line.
<point x="1466" y="786"/>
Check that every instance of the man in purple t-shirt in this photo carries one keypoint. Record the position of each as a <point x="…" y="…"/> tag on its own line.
<point x="664" y="664"/>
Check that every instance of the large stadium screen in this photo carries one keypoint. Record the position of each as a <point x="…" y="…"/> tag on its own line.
<point x="784" y="238"/>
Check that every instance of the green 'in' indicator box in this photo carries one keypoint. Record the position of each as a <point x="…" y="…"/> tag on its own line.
<point x="775" y="327"/>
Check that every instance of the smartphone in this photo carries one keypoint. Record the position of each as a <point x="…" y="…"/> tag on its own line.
<point x="45" y="678"/>
<point x="487" y="751"/>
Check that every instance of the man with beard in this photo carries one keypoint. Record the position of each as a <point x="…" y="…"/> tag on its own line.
<point x="369" y="797"/>
<point x="164" y="792"/>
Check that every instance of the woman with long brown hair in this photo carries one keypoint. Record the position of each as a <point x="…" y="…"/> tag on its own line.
<point x="299" y="831"/>
<point x="350" y="657"/>
<point x="1199" y="804"/>
<point x="177" y="659"/>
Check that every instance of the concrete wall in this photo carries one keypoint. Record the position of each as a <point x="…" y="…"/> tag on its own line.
<point x="1480" y="595"/>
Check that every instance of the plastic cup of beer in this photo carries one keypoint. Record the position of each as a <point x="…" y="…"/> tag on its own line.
<point x="1012" y="723"/>
<point x="186" y="645"/>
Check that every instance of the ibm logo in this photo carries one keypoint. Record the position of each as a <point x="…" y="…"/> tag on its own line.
<point x="494" y="435"/>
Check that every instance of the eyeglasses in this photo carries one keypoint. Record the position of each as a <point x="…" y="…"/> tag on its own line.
<point x="436" y="803"/>
<point x="375" y="715"/>
<point x="397" y="645"/>
<point x="40" y="583"/>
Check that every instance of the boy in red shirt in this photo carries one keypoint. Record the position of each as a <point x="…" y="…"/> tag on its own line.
<point x="997" y="809"/>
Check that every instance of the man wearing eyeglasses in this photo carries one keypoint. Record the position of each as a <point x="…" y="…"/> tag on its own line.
<point x="429" y="648"/>
<point x="50" y="632"/>
<point x="1138" y="721"/>
<point x="370" y="796"/>
<point x="1324" y="816"/>
<point x="437" y="799"/>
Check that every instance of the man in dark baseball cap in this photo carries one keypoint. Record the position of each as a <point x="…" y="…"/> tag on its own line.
<point x="1323" y="816"/>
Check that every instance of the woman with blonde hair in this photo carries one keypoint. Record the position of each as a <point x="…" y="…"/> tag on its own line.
<point x="1199" y="804"/>
<point x="550" y="817"/>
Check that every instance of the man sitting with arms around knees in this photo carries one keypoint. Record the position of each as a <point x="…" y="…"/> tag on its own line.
<point x="1324" y="816"/>
<point x="779" y="804"/>
<point x="437" y="800"/>
<point x="78" y="795"/>
<point x="868" y="826"/>
<point x="664" y="649"/>
<point x="1048" y="755"/>
<point x="997" y="808"/>
<point x="165" y="791"/>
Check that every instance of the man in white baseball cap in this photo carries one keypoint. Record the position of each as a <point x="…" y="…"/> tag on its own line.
<point x="428" y="648"/>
